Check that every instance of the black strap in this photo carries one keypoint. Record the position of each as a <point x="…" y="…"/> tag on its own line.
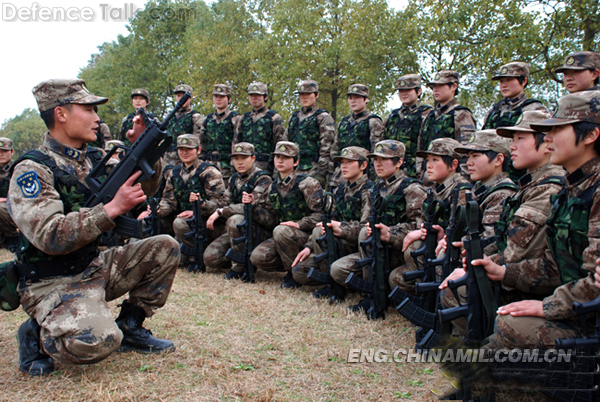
<point x="36" y="271"/>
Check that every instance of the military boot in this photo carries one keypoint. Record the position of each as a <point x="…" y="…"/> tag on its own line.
<point x="136" y="337"/>
<point x="31" y="360"/>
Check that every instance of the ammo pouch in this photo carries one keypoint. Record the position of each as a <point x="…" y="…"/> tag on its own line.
<point x="36" y="271"/>
<point x="9" y="280"/>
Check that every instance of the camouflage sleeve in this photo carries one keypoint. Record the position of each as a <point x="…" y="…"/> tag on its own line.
<point x="559" y="305"/>
<point x="105" y="132"/>
<point x="313" y="194"/>
<point x="168" y="202"/>
<point x="264" y="213"/>
<point x="376" y="131"/>
<point x="335" y="150"/>
<point x="41" y="218"/>
<point x="415" y="196"/>
<point x="351" y="230"/>
<point x="491" y="210"/>
<point x="326" y="137"/>
<point x="279" y="133"/>
<point x="215" y="190"/>
<point x="464" y="125"/>
<point x="197" y="121"/>
<point x="386" y="129"/>
<point x="123" y="131"/>
<point x="201" y="133"/>
<point x="151" y="185"/>
<point x="237" y="125"/>
<point x="535" y="106"/>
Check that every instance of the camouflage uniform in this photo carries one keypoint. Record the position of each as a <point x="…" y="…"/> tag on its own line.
<point x="185" y="121"/>
<point x="217" y="132"/>
<point x="404" y="124"/>
<point x="262" y="128"/>
<point x="296" y="198"/>
<point x="574" y="239"/>
<point x="313" y="129"/>
<point x="403" y="214"/>
<point x="8" y="229"/>
<point x="66" y="284"/>
<point x="442" y="192"/>
<point x="351" y="208"/>
<point x="581" y="61"/>
<point x="200" y="177"/>
<point x="127" y="122"/>
<point x="233" y="212"/>
<point x="359" y="129"/>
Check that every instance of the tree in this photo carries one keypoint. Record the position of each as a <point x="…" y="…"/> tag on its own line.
<point x="25" y="130"/>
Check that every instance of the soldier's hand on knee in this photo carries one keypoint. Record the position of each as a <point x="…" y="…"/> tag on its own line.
<point x="210" y="223"/>
<point x="302" y="255"/>
<point x="457" y="273"/>
<point x="127" y="197"/>
<point x="494" y="271"/>
<point x="528" y="308"/>
<point x="186" y="215"/>
<point x="291" y="224"/>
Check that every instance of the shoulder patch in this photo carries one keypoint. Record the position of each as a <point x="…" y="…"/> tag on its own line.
<point x="30" y="184"/>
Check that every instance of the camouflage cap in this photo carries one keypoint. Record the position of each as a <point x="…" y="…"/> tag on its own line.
<point x="184" y="88"/>
<point x="221" y="89"/>
<point x="58" y="92"/>
<point x="523" y="123"/>
<point x="409" y="81"/>
<point x="514" y="70"/>
<point x="352" y="153"/>
<point x="358" y="89"/>
<point x="444" y="77"/>
<point x="286" y="148"/>
<point x="6" y="144"/>
<point x="388" y="149"/>
<point x="441" y="147"/>
<point x="188" y="141"/>
<point x="242" y="148"/>
<point x="580" y="61"/>
<point x="573" y="108"/>
<point x="258" y="88"/>
<point x="485" y="140"/>
<point x="308" y="87"/>
<point x="113" y="143"/>
<point x="141" y="92"/>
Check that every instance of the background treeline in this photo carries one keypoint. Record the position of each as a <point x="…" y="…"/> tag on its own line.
<point x="336" y="42"/>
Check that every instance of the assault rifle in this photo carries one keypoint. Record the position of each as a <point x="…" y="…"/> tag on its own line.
<point x="422" y="311"/>
<point x="142" y="155"/>
<point x="153" y="220"/>
<point x="377" y="260"/>
<point x="198" y="226"/>
<point x="247" y="231"/>
<point x="481" y="306"/>
<point x="333" y="250"/>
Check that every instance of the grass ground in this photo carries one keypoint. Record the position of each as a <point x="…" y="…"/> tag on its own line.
<point x="240" y="342"/>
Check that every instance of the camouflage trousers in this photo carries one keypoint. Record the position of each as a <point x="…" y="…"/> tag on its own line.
<point x="342" y="268"/>
<point x="278" y="252"/>
<point x="301" y="270"/>
<point x="397" y="279"/>
<point x="7" y="226"/>
<point x="77" y="326"/>
<point x="181" y="227"/>
<point x="214" y="255"/>
<point x="531" y="332"/>
<point x="314" y="173"/>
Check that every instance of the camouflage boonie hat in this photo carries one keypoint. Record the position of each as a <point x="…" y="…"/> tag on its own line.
<point x="444" y="77"/>
<point x="523" y="123"/>
<point x="242" y="148"/>
<point x="409" y="81"/>
<point x="441" y="147"/>
<point x="141" y="92"/>
<point x="113" y="143"/>
<point x="512" y="70"/>
<point x="485" y="140"/>
<point x="580" y="61"/>
<point x="221" y="89"/>
<point x="258" y="88"/>
<point x="307" y="87"/>
<point x="188" y="141"/>
<point x="6" y="144"/>
<point x="184" y="88"/>
<point x="58" y="92"/>
<point x="388" y="149"/>
<point x="286" y="148"/>
<point x="573" y="108"/>
<point x="352" y="153"/>
<point x="358" y="89"/>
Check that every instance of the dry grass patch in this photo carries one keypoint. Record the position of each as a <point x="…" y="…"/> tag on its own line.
<point x="239" y="342"/>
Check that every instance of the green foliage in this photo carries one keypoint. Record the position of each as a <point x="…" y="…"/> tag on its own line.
<point x="25" y="130"/>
